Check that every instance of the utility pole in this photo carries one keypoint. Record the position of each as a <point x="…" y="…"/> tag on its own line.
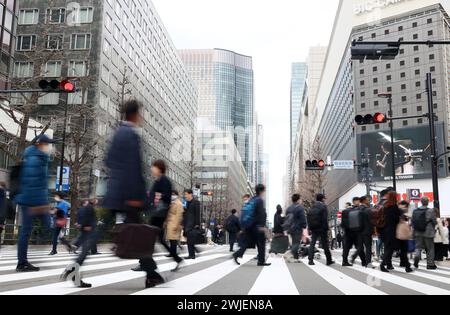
<point x="434" y="155"/>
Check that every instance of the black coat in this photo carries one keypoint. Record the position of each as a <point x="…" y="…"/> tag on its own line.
<point x="299" y="217"/>
<point x="126" y="181"/>
<point x="260" y="212"/>
<point x="278" y="224"/>
<point x="368" y="227"/>
<point x="233" y="225"/>
<point x="392" y="217"/>
<point x="3" y="206"/>
<point x="324" y="211"/>
<point x="87" y="217"/>
<point x="163" y="186"/>
<point x="192" y="215"/>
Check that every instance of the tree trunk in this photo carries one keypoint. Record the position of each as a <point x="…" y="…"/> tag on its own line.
<point x="22" y="141"/>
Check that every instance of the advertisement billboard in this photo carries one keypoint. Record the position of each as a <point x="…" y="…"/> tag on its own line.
<point x="412" y="152"/>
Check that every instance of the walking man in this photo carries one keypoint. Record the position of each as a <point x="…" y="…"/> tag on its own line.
<point x="318" y="224"/>
<point x="253" y="221"/>
<point x="352" y="223"/>
<point x="191" y="222"/>
<point x="33" y="196"/>
<point x="367" y="230"/>
<point x="295" y="223"/>
<point x="60" y="215"/>
<point x="233" y="227"/>
<point x="424" y="223"/>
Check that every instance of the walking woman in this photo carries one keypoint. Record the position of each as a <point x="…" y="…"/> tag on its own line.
<point x="392" y="216"/>
<point x="173" y="226"/>
<point x="278" y="221"/>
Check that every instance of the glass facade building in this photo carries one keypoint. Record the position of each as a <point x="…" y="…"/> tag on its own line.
<point x="226" y="101"/>
<point x="298" y="88"/>
<point x="8" y="16"/>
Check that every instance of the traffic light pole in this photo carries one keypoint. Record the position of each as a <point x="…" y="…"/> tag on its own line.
<point x="391" y="126"/>
<point x="63" y="149"/>
<point x="434" y="155"/>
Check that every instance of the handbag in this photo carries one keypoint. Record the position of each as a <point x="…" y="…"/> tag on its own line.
<point x="161" y="210"/>
<point x="404" y="231"/>
<point x="135" y="241"/>
<point x="61" y="222"/>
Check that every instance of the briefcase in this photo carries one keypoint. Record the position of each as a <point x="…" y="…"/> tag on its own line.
<point x="135" y="241"/>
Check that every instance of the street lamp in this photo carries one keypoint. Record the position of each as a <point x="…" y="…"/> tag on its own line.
<point x="388" y="96"/>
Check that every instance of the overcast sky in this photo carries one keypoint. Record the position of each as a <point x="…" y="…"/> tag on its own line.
<point x="275" y="34"/>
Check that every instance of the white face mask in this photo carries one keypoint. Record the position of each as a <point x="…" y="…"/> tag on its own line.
<point x="46" y="149"/>
<point x="174" y="198"/>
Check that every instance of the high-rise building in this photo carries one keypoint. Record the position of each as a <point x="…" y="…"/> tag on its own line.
<point x="123" y="50"/>
<point x="8" y="19"/>
<point x="260" y="156"/>
<point x="349" y="88"/>
<point x="225" y="95"/>
<point x="298" y="88"/>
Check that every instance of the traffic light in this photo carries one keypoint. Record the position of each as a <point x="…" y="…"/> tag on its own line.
<point x="315" y="165"/>
<point x="368" y="119"/>
<point x="55" y="86"/>
<point x="208" y="193"/>
<point x="361" y="51"/>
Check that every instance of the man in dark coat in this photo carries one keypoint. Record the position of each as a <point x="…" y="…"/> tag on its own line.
<point x="126" y="187"/>
<point x="351" y="237"/>
<point x="33" y="196"/>
<point x="191" y="222"/>
<point x="320" y="232"/>
<point x="233" y="227"/>
<point x="368" y="229"/>
<point x="256" y="232"/>
<point x="295" y="223"/>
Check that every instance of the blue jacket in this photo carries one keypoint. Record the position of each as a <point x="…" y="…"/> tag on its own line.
<point x="33" y="191"/>
<point x="126" y="181"/>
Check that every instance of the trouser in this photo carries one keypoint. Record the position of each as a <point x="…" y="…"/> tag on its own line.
<point x="403" y="251"/>
<point x="425" y="243"/>
<point x="296" y="240"/>
<point x="232" y="238"/>
<point x="56" y="234"/>
<point x="159" y="222"/>
<point x="87" y="242"/>
<point x="25" y="232"/>
<point x="254" y="235"/>
<point x="379" y="247"/>
<point x="353" y="239"/>
<point x="191" y="240"/>
<point x="339" y="244"/>
<point x="323" y="235"/>
<point x="367" y="243"/>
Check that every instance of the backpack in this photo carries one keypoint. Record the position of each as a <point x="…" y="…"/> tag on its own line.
<point x="14" y="180"/>
<point x="248" y="214"/>
<point x="355" y="220"/>
<point x="419" y="220"/>
<point x="230" y="227"/>
<point x="377" y="217"/>
<point x="289" y="223"/>
<point x="315" y="218"/>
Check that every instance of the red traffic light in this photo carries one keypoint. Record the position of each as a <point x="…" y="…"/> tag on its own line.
<point x="379" y="118"/>
<point x="315" y="165"/>
<point x="67" y="86"/>
<point x="321" y="164"/>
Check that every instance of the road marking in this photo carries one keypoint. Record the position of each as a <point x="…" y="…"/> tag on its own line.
<point x="197" y="281"/>
<point x="278" y="272"/>
<point x="64" y="288"/>
<point x="13" y="263"/>
<point x="403" y="282"/>
<point x="341" y="281"/>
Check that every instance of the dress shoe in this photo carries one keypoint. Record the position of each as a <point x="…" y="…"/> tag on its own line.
<point x="264" y="264"/>
<point x="27" y="268"/>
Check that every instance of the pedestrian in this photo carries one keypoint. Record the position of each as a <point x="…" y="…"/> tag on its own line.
<point x="447" y="232"/>
<point x="318" y="224"/>
<point x="87" y="221"/>
<point x="32" y="196"/>
<point x="79" y="241"/>
<point x="339" y="239"/>
<point x="173" y="227"/>
<point x="3" y="208"/>
<point x="367" y="230"/>
<point x="402" y="244"/>
<point x="192" y="222"/>
<point x="353" y="226"/>
<point x="233" y="227"/>
<point x="424" y="222"/>
<point x="278" y="222"/>
<point x="60" y="215"/>
<point x="295" y="223"/>
<point x="440" y="240"/>
<point x="126" y="187"/>
<point x="253" y="221"/>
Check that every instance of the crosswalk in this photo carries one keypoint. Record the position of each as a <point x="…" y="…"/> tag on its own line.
<point x="214" y="273"/>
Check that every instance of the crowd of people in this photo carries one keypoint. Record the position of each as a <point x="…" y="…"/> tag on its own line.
<point x="389" y="224"/>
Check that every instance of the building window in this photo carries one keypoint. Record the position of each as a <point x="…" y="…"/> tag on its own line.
<point x="417" y="72"/>
<point x="404" y="98"/>
<point x="420" y="121"/>
<point x="82" y="15"/>
<point x="403" y="75"/>
<point x="105" y="74"/>
<point x="28" y="16"/>
<point x="432" y="57"/>
<point x="388" y="66"/>
<point x="432" y="69"/>
<point x="375" y="92"/>
<point x="108" y="22"/>
<point x="419" y="108"/>
<point x="77" y="98"/>
<point x="429" y="21"/>
<point x="386" y="32"/>
<point x="415" y="36"/>
<point x="402" y="51"/>
<point x="405" y="123"/>
<point x="26" y="42"/>
<point x="23" y="69"/>
<point x="389" y="77"/>
<point x="416" y="60"/>
<point x="78" y="68"/>
<point x="400" y="28"/>
<point x="54" y="42"/>
<point x="419" y="96"/>
<point x="56" y="15"/>
<point x="376" y="103"/>
<point x="374" y="35"/>
<point x="416" y="48"/>
<point x="402" y="63"/>
<point x="363" y="105"/>
<point x="80" y="41"/>
<point x="389" y="89"/>
<point x="361" y="71"/>
<point x="375" y="80"/>
<point x="403" y="86"/>
<point x="52" y="69"/>
<point x="414" y="24"/>
<point x="404" y="111"/>
<point x="430" y="33"/>
<point x="418" y="84"/>
<point x="361" y="83"/>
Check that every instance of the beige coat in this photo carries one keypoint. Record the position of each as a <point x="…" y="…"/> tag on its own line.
<point x="174" y="221"/>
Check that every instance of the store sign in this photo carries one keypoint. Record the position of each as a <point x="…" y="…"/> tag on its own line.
<point x="414" y="194"/>
<point x="371" y="5"/>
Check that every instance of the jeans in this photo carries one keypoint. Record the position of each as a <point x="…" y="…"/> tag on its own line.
<point x="25" y="232"/>
<point x="191" y="235"/>
<point x="323" y="235"/>
<point x="354" y="239"/>
<point x="56" y="233"/>
<point x="296" y="240"/>
<point x="427" y="244"/>
<point x="86" y="240"/>
<point x="254" y="235"/>
<point x="232" y="238"/>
